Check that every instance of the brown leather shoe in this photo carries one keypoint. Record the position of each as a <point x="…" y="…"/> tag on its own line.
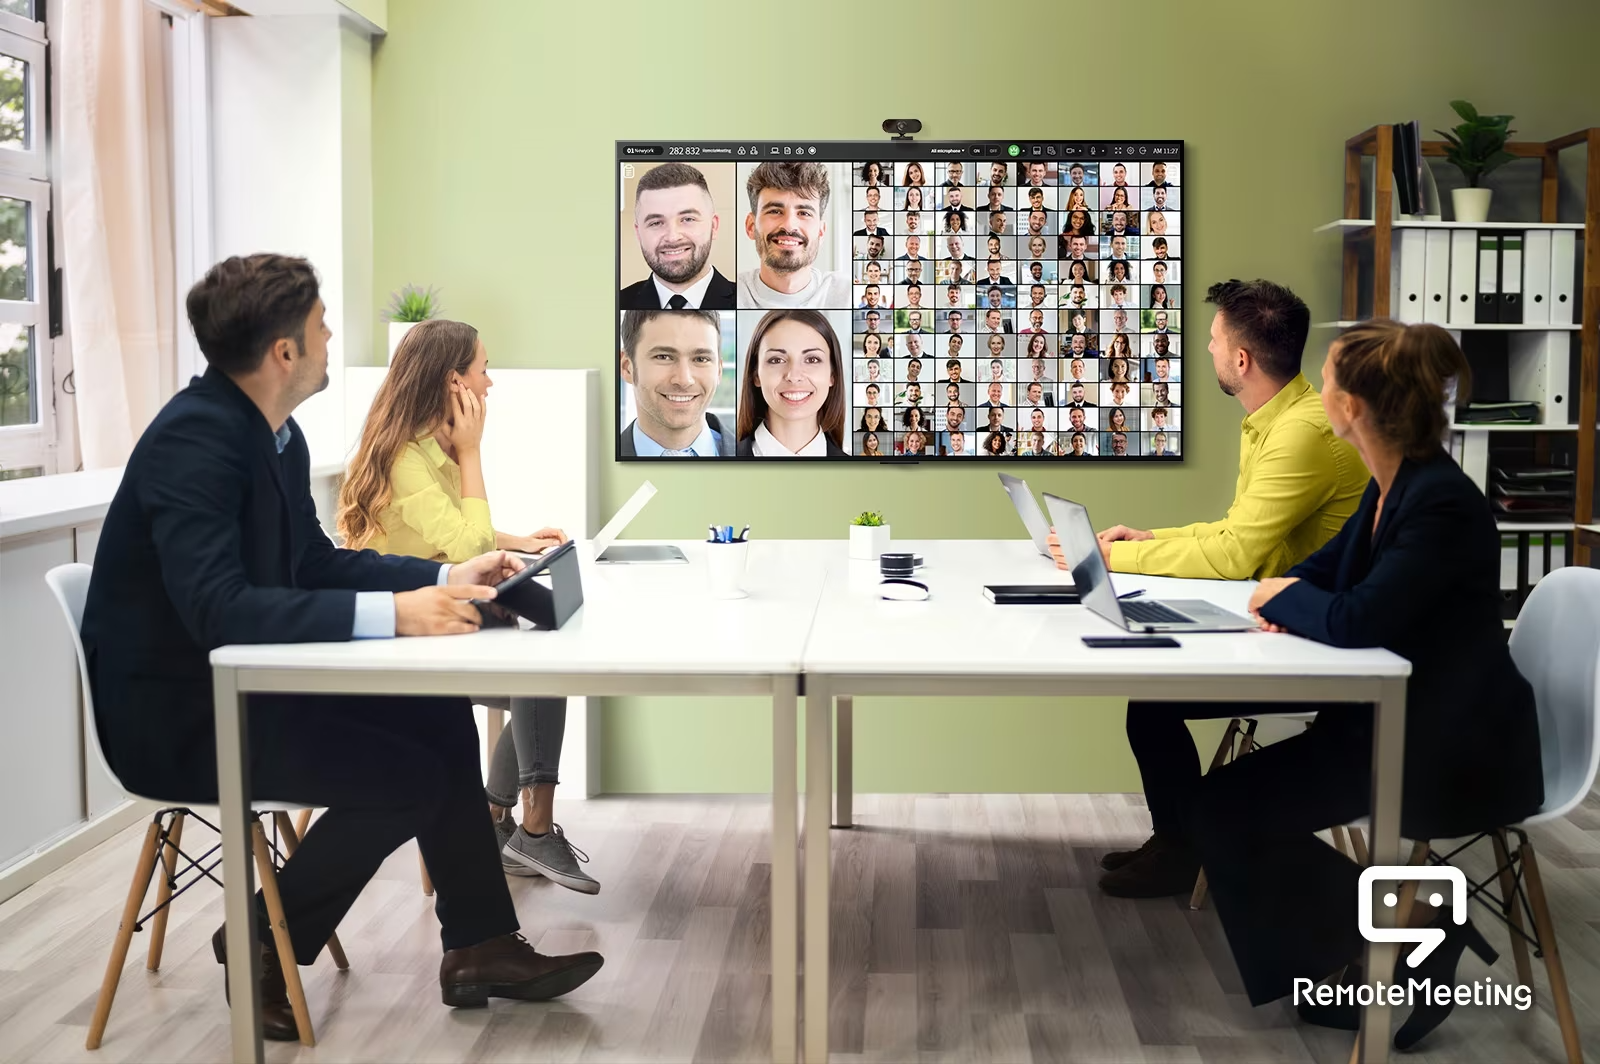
<point x="277" y="1018"/>
<point x="509" y="967"/>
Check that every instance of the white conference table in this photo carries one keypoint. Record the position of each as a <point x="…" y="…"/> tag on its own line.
<point x="813" y="615"/>
<point x="644" y="629"/>
<point x="863" y="645"/>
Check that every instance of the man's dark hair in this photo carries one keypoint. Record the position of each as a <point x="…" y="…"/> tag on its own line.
<point x="634" y="321"/>
<point x="1267" y="320"/>
<point x="670" y="175"/>
<point x="245" y="304"/>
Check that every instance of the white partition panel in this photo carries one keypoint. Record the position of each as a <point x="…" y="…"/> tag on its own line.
<point x="541" y="465"/>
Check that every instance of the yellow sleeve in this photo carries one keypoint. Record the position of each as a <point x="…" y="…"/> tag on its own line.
<point x="1292" y="476"/>
<point x="455" y="532"/>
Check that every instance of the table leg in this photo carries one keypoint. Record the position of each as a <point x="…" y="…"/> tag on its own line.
<point x="238" y="878"/>
<point x="819" y="794"/>
<point x="1388" y="761"/>
<point x="785" y="872"/>
<point x="845" y="768"/>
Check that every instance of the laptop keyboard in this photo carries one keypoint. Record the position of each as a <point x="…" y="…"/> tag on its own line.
<point x="1144" y="611"/>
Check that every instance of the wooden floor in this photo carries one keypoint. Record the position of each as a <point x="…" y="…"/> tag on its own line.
<point x="966" y="927"/>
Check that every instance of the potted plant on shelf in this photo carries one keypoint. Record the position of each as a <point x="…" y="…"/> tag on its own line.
<point x="1475" y="147"/>
<point x="869" y="535"/>
<point x="407" y="307"/>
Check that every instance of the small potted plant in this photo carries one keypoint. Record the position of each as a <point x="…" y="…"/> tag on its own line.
<point x="406" y="308"/>
<point x="1475" y="147"/>
<point x="869" y="535"/>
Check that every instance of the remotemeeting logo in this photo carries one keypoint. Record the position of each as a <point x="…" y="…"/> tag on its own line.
<point x="1427" y="939"/>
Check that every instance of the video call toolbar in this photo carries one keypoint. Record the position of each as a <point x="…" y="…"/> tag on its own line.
<point x="901" y="299"/>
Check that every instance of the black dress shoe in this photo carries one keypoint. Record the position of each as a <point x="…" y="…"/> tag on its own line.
<point x="1167" y="867"/>
<point x="1440" y="967"/>
<point x="277" y="1018"/>
<point x="1117" y="858"/>
<point x="509" y="967"/>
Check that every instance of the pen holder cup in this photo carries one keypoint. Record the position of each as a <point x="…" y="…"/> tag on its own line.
<point x="725" y="568"/>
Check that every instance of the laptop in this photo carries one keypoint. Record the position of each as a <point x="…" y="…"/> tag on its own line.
<point x="608" y="553"/>
<point x="1033" y="518"/>
<point x="1093" y="581"/>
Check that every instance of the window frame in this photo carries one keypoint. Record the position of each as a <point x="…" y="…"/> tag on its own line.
<point x="24" y="175"/>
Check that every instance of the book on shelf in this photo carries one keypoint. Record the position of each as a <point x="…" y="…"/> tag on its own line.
<point x="1511" y="413"/>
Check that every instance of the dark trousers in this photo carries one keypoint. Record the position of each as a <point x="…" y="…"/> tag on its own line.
<point x="386" y="769"/>
<point x="1169" y="765"/>
<point x="1287" y="900"/>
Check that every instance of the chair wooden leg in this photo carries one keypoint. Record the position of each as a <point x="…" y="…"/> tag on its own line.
<point x="1408" y="892"/>
<point x="291" y="843"/>
<point x="280" y="936"/>
<point x="142" y="871"/>
<point x="1508" y="892"/>
<point x="1197" y="900"/>
<point x="427" y="880"/>
<point x="1224" y="754"/>
<point x="302" y="821"/>
<point x="158" y="925"/>
<point x="1546" y="930"/>
<point x="1359" y="845"/>
<point x="1341" y="841"/>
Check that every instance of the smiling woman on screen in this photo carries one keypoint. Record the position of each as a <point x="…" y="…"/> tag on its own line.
<point x="790" y="402"/>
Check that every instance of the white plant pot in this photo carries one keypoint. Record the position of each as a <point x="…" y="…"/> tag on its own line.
<point x="867" y="542"/>
<point x="1471" y="204"/>
<point x="397" y="332"/>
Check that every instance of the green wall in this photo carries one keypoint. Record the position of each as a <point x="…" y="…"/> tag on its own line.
<point x="493" y="125"/>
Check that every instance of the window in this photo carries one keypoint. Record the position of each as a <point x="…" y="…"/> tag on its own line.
<point x="27" y="407"/>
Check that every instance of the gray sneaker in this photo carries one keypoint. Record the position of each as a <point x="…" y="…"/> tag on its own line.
<point x="551" y="856"/>
<point x="504" y="828"/>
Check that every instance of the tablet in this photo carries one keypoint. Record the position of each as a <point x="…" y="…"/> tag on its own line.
<point x="546" y="606"/>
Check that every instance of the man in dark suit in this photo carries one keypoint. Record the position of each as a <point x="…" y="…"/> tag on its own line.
<point x="676" y="223"/>
<point x="1079" y="397"/>
<point x="212" y="539"/>
<point x="674" y="363"/>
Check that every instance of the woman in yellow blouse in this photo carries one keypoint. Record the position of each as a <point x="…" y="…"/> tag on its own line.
<point x="416" y="487"/>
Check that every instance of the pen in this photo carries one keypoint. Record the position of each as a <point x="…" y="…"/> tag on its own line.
<point x="1131" y="594"/>
<point x="745" y="534"/>
<point x="711" y="533"/>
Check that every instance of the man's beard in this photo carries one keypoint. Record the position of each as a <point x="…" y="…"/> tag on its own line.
<point x="1227" y="388"/>
<point x="683" y="269"/>
<point x="787" y="260"/>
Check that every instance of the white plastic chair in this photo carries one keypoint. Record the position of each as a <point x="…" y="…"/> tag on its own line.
<point x="70" y="585"/>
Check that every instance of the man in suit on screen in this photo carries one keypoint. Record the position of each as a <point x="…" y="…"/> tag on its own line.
<point x="676" y="223"/>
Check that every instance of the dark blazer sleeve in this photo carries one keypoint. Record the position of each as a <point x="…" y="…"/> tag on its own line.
<point x="192" y="490"/>
<point x="1426" y="549"/>
<point x="1322" y="567"/>
<point x="321" y="564"/>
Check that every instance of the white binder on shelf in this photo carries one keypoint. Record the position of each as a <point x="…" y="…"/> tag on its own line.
<point x="1436" y="278"/>
<point x="1538" y="369"/>
<point x="1536" y="277"/>
<point x="1463" y="277"/>
<point x="1475" y="458"/>
<point x="1410" y="266"/>
<point x="1563" y="264"/>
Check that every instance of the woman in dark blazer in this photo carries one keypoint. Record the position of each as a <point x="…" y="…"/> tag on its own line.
<point x="1417" y="572"/>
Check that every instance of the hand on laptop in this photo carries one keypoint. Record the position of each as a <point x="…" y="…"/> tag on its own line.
<point x="537" y="543"/>
<point x="443" y="610"/>
<point x="490" y="569"/>
<point x="1112" y="535"/>
<point x="1054" y="542"/>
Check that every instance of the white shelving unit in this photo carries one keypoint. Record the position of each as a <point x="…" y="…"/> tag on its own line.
<point x="1484" y="327"/>
<point x="1357" y="224"/>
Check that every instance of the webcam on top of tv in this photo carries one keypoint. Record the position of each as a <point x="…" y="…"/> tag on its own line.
<point x="902" y="128"/>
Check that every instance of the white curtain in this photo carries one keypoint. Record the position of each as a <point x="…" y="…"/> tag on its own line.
<point x="116" y="203"/>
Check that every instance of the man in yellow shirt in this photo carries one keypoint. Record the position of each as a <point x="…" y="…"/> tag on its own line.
<point x="1297" y="486"/>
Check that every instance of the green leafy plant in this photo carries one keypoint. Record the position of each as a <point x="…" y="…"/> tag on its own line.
<point x="413" y="303"/>
<point x="1478" y="145"/>
<point x="869" y="519"/>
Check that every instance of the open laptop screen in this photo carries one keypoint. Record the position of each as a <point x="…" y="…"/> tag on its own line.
<point x="1082" y="551"/>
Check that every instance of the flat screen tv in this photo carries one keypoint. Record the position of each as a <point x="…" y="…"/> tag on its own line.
<point x="900" y="301"/>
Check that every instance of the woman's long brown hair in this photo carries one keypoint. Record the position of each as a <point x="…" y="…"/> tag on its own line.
<point x="413" y="401"/>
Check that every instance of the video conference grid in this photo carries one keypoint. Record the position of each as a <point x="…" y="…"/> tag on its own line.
<point x="1015" y="306"/>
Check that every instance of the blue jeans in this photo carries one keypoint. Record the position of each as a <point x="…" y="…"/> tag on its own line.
<point x="529" y="752"/>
